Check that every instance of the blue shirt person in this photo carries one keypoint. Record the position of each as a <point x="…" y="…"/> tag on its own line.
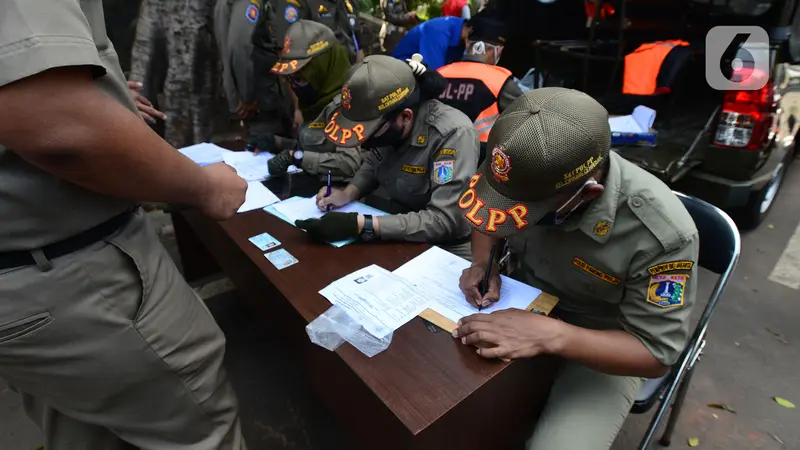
<point x="440" y="41"/>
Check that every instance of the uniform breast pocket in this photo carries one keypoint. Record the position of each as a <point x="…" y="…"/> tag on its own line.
<point x="413" y="183"/>
<point x="589" y="282"/>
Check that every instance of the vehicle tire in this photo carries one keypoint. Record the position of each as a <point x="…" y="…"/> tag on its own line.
<point x="748" y="217"/>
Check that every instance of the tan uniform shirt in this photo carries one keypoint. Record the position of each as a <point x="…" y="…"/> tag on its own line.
<point x="35" y="35"/>
<point x="321" y="154"/>
<point x="629" y="262"/>
<point x="425" y="176"/>
<point x="335" y="14"/>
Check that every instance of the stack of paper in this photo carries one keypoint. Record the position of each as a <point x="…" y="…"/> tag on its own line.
<point x="378" y="300"/>
<point x="436" y="273"/>
<point x="301" y="208"/>
<point x="258" y="196"/>
<point x="251" y="167"/>
<point x="204" y="153"/>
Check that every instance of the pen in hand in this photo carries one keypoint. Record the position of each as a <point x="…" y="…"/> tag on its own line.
<point x="484" y="286"/>
<point x="328" y="191"/>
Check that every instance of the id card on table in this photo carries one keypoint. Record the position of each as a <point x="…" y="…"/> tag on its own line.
<point x="281" y="259"/>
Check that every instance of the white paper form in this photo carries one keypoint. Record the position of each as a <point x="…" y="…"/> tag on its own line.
<point x="640" y="121"/>
<point x="306" y="208"/>
<point x="375" y="298"/>
<point x="250" y="166"/>
<point x="204" y="153"/>
<point x="257" y="196"/>
<point x="436" y="272"/>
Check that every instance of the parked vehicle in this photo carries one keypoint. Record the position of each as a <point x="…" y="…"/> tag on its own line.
<point x="731" y="148"/>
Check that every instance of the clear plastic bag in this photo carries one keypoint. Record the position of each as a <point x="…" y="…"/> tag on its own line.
<point x="334" y="327"/>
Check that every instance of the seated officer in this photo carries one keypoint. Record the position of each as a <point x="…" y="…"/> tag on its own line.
<point x="604" y="236"/>
<point x="422" y="154"/>
<point x="476" y="86"/>
<point x="315" y="65"/>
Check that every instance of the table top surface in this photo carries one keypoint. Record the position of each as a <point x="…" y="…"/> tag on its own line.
<point x="422" y="374"/>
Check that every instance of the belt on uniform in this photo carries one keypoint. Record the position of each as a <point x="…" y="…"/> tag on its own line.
<point x="19" y="258"/>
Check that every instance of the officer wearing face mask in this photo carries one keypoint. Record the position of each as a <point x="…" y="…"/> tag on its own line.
<point x="611" y="241"/>
<point x="421" y="155"/>
<point x="476" y="86"/>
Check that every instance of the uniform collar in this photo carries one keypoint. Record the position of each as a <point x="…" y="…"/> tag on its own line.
<point x="420" y="130"/>
<point x="597" y="221"/>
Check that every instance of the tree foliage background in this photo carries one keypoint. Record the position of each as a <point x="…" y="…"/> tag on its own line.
<point x="426" y="9"/>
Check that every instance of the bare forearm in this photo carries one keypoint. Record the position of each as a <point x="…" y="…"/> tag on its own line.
<point x="352" y="191"/>
<point x="482" y="248"/>
<point x="60" y="122"/>
<point x="614" y="352"/>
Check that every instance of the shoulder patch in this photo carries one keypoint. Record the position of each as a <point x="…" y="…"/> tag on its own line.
<point x="316" y="125"/>
<point x="443" y="172"/>
<point x="252" y="13"/>
<point x="586" y="267"/>
<point x="666" y="291"/>
<point x="291" y="14"/>
<point x="416" y="170"/>
<point x="445" y="152"/>
<point x="670" y="266"/>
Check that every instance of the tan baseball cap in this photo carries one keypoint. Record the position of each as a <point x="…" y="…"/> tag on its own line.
<point x="548" y="142"/>
<point x="376" y="86"/>
<point x="304" y="40"/>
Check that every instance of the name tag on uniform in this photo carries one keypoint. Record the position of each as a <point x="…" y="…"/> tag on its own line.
<point x="416" y="170"/>
<point x="586" y="267"/>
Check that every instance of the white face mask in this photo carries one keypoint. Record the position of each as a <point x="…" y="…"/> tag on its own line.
<point x="557" y="219"/>
<point x="480" y="48"/>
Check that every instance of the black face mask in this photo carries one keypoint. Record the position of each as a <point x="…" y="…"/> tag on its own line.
<point x="305" y="93"/>
<point x="392" y="137"/>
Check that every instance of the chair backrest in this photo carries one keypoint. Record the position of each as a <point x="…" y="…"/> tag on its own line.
<point x="720" y="246"/>
<point x="720" y="243"/>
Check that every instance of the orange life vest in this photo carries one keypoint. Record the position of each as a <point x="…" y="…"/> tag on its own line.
<point x="473" y="88"/>
<point x="643" y="64"/>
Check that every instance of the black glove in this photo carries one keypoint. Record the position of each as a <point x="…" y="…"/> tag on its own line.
<point x="263" y="143"/>
<point x="280" y="163"/>
<point x="332" y="227"/>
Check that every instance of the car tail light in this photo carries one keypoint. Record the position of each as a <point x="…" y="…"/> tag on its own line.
<point x="745" y="118"/>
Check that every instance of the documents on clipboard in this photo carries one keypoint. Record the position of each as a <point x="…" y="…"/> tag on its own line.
<point x="436" y="273"/>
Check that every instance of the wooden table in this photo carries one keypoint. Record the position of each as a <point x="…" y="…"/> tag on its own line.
<point x="426" y="391"/>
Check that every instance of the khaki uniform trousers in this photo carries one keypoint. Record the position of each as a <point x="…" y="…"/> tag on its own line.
<point x="111" y="349"/>
<point x="585" y="410"/>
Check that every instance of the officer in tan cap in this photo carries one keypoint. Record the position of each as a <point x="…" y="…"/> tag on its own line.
<point x="422" y="153"/>
<point x="107" y="344"/>
<point x="611" y="241"/>
<point x="316" y="67"/>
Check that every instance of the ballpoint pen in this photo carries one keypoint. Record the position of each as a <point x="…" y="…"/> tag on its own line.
<point x="484" y="287"/>
<point x="328" y="191"/>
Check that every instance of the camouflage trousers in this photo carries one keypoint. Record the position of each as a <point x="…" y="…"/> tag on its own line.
<point x="174" y="56"/>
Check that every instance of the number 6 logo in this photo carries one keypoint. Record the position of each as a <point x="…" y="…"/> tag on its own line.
<point x="737" y="58"/>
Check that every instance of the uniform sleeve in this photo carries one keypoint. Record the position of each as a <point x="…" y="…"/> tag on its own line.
<point x="222" y="18"/>
<point x="343" y="163"/>
<point x="37" y="35"/>
<point x="658" y="301"/>
<point x="508" y="93"/>
<point x="433" y="48"/>
<point x="366" y="178"/>
<point x="441" y="220"/>
<point x="240" y="48"/>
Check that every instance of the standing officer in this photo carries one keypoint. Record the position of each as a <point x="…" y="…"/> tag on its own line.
<point x="422" y="153"/>
<point x="476" y="86"/>
<point x="341" y="16"/>
<point x="610" y="240"/>
<point x="316" y="66"/>
<point x="263" y="104"/>
<point x="98" y="330"/>
<point x="396" y="20"/>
